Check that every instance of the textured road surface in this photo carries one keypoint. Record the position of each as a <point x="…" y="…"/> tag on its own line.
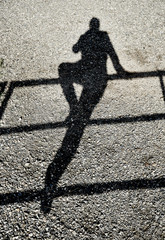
<point x="114" y="186"/>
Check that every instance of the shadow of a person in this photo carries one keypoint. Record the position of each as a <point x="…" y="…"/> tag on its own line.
<point x="90" y="71"/>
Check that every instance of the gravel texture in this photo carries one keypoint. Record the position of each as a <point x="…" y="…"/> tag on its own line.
<point x="114" y="186"/>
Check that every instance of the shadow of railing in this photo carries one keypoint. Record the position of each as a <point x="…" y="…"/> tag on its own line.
<point x="29" y="83"/>
<point x="83" y="189"/>
<point x="80" y="189"/>
<point x="101" y="121"/>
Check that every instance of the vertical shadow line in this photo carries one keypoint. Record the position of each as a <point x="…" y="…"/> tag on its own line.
<point x="6" y="99"/>
<point x="162" y="86"/>
<point x="2" y="87"/>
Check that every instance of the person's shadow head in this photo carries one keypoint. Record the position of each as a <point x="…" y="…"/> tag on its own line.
<point x="94" y="24"/>
<point x="93" y="46"/>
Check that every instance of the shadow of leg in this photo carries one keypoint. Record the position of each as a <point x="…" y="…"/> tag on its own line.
<point x="89" y="98"/>
<point x="62" y="159"/>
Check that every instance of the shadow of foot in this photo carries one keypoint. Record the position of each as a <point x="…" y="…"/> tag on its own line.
<point x="46" y="202"/>
<point x="47" y="197"/>
<point x="50" y="188"/>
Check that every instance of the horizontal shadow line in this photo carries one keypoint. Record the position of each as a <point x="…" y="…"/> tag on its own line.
<point x="50" y="81"/>
<point x="37" y="82"/>
<point x="136" y="75"/>
<point x="47" y="81"/>
<point x="50" y="125"/>
<point x="83" y="189"/>
<point x="32" y="127"/>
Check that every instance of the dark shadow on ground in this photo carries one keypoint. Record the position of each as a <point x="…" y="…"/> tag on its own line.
<point x="83" y="189"/>
<point x="99" y="121"/>
<point x="2" y="87"/>
<point x="54" y="81"/>
<point x="95" y="46"/>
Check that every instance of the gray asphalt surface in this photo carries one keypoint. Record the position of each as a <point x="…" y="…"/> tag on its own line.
<point x="113" y="187"/>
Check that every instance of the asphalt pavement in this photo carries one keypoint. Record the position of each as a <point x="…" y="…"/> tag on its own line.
<point x="111" y="161"/>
